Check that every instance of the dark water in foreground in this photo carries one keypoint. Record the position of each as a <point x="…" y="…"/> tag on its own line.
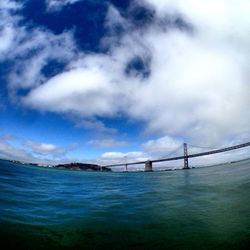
<point x="205" y="208"/>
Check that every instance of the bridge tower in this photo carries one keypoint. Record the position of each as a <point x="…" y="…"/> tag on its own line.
<point x="185" y="156"/>
<point x="148" y="166"/>
<point x="126" y="165"/>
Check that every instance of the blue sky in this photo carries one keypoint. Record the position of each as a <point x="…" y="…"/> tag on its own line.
<point x="101" y="81"/>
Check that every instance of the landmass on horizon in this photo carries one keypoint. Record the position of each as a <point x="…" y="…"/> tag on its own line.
<point x="69" y="166"/>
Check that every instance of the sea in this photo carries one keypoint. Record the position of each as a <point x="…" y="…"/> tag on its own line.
<point x="201" y="208"/>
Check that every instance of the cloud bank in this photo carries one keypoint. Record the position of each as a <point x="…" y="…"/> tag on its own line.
<point x="197" y="85"/>
<point x="184" y="74"/>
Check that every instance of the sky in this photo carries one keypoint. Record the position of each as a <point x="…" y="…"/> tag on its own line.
<point x="109" y="81"/>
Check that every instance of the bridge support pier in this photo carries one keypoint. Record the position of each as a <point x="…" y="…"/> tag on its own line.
<point x="148" y="166"/>
<point x="185" y="156"/>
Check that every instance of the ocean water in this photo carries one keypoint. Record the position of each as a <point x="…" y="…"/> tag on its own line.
<point x="205" y="208"/>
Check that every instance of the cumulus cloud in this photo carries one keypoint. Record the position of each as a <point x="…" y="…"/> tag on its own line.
<point x="79" y="88"/>
<point x="217" y="18"/>
<point x="197" y="85"/>
<point x="45" y="149"/>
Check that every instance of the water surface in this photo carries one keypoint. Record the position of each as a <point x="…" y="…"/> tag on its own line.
<point x="205" y="208"/>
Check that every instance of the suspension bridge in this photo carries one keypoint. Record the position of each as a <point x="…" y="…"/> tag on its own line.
<point x="149" y="163"/>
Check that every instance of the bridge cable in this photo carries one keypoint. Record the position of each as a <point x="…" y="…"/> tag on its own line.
<point x="172" y="152"/>
<point x="202" y="147"/>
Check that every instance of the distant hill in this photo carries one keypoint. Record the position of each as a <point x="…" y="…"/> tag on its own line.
<point x="82" y="166"/>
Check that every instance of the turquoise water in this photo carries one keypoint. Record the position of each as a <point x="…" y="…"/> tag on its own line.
<point x="206" y="208"/>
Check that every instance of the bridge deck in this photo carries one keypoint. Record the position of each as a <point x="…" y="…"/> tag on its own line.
<point x="182" y="157"/>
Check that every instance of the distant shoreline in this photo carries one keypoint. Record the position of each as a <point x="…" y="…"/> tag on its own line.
<point x="97" y="168"/>
<point x="67" y="166"/>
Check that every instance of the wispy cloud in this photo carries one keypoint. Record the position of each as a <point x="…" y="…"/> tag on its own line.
<point x="7" y="29"/>
<point x="16" y="148"/>
<point x="29" y="49"/>
<point x="57" y="5"/>
<point x="7" y="151"/>
<point x="92" y="124"/>
<point x="108" y="143"/>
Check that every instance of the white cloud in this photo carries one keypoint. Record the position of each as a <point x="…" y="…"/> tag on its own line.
<point x="30" y="50"/>
<point x="27" y="73"/>
<point x="93" y="124"/>
<point x="79" y="88"/>
<point x="7" y="29"/>
<point x="120" y="157"/>
<point x="16" y="148"/>
<point x="191" y="89"/>
<point x="199" y="82"/>
<point x="107" y="143"/>
<point x="162" y="146"/>
<point x="152" y="149"/>
<point x="9" y="5"/>
<point x="7" y="151"/>
<point x="45" y="149"/>
<point x="114" y="19"/>
<point x="57" y="5"/>
<point x="7" y="37"/>
<point x="198" y="87"/>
